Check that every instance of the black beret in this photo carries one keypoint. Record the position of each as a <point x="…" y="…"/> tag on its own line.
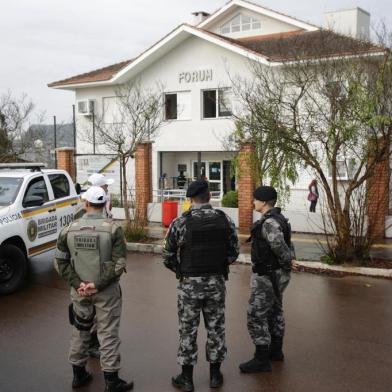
<point x="196" y="188"/>
<point x="265" y="193"/>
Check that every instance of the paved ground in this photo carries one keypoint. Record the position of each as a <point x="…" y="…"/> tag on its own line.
<point x="338" y="334"/>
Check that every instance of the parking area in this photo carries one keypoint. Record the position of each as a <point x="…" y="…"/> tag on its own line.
<point x="338" y="334"/>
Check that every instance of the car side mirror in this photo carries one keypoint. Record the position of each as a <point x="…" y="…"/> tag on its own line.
<point x="78" y="188"/>
<point x="33" y="201"/>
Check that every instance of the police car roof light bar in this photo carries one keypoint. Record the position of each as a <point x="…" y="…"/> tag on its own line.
<point x="32" y="166"/>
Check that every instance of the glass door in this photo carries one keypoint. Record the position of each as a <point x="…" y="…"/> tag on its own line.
<point x="215" y="178"/>
<point x="203" y="170"/>
<point x="212" y="172"/>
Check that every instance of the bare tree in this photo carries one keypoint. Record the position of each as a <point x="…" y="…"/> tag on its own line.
<point x="329" y="108"/>
<point x="136" y="117"/>
<point x="15" y="114"/>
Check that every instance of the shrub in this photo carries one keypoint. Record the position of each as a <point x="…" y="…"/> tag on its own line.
<point x="230" y="199"/>
<point x="116" y="202"/>
<point x="135" y="231"/>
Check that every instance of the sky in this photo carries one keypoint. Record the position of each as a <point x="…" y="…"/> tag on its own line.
<point x="42" y="41"/>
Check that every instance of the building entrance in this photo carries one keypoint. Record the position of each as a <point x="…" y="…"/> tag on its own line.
<point x="212" y="172"/>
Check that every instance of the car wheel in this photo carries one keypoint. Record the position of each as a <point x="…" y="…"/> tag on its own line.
<point x="13" y="268"/>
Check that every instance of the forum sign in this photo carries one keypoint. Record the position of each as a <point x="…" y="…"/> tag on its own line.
<point x="205" y="75"/>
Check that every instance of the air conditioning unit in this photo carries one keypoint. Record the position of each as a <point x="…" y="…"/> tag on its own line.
<point x="86" y="107"/>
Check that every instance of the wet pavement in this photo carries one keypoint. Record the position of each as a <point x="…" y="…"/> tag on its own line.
<point x="338" y="334"/>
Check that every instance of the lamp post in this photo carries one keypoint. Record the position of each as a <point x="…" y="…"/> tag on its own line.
<point x="55" y="141"/>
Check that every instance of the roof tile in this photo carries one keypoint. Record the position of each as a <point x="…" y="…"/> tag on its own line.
<point x="288" y="46"/>
<point x="98" y="75"/>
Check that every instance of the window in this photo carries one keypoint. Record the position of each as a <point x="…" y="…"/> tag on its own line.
<point x="9" y="188"/>
<point x="37" y="187"/>
<point x="345" y="168"/>
<point x="240" y="23"/>
<point x="171" y="106"/>
<point x="209" y="104"/>
<point x="217" y="103"/>
<point x="224" y="102"/>
<point x="178" y="106"/>
<point x="335" y="90"/>
<point x="60" y="185"/>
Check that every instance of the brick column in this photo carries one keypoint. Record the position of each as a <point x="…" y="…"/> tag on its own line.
<point x="378" y="197"/>
<point x="66" y="161"/>
<point x="246" y="187"/>
<point x="143" y="178"/>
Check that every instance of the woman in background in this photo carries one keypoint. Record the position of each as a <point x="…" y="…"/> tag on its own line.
<point x="313" y="195"/>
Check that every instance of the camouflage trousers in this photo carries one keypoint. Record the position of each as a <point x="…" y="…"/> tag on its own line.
<point x="206" y="295"/>
<point x="265" y="311"/>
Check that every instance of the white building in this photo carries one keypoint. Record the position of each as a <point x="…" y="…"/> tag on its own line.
<point x="195" y="63"/>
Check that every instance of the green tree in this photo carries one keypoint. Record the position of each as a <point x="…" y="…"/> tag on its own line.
<point x="332" y="115"/>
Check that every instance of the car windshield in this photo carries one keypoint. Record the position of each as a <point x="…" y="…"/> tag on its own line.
<point x="9" y="188"/>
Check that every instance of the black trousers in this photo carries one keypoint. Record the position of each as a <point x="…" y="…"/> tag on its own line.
<point x="313" y="206"/>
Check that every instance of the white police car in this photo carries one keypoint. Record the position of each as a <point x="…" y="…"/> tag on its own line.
<point x="35" y="204"/>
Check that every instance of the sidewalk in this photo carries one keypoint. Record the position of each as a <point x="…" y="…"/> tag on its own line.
<point x="307" y="246"/>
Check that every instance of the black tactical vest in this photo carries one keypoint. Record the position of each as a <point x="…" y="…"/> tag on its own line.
<point x="263" y="259"/>
<point x="206" y="241"/>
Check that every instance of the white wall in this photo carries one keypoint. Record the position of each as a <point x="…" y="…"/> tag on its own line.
<point x="354" y="22"/>
<point x="84" y="126"/>
<point x="194" y="54"/>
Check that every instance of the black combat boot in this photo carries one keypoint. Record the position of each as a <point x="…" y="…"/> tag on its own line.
<point x="216" y="377"/>
<point x="276" y="353"/>
<point x="93" y="348"/>
<point x="260" y="362"/>
<point x="184" y="381"/>
<point x="115" y="384"/>
<point x="80" y="376"/>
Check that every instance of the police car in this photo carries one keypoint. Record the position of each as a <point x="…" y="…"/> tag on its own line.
<point x="35" y="204"/>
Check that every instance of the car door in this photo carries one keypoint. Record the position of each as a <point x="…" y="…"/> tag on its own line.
<point x="65" y="202"/>
<point x="40" y="222"/>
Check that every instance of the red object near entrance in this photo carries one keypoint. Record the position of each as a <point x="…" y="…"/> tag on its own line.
<point x="169" y="212"/>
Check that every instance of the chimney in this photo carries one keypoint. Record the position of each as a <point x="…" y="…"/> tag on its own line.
<point x="354" y="22"/>
<point x="199" y="16"/>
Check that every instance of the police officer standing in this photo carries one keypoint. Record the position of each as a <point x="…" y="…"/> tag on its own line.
<point x="98" y="179"/>
<point x="91" y="256"/>
<point x="206" y="242"/>
<point x="272" y="255"/>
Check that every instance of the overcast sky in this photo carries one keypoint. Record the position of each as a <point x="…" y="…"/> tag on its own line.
<point x="42" y="41"/>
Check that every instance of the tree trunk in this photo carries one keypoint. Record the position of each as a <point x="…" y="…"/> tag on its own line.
<point x="125" y="188"/>
<point x="343" y="250"/>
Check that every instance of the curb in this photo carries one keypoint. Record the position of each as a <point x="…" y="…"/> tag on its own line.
<point x="308" y="266"/>
<point x="145" y="248"/>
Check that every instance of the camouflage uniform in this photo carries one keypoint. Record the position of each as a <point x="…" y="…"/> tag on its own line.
<point x="204" y="294"/>
<point x="265" y="311"/>
<point x="106" y="303"/>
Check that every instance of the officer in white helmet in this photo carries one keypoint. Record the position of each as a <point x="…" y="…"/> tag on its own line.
<point x="99" y="179"/>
